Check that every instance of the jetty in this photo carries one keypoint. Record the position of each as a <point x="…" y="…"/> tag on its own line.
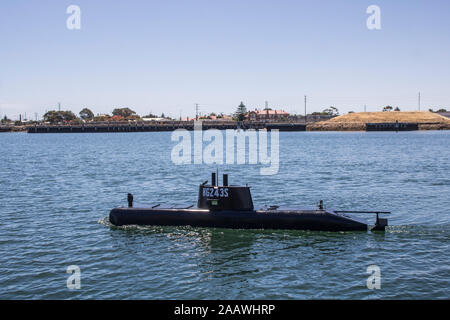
<point x="5" y="128"/>
<point x="392" y="126"/>
<point x="161" y="126"/>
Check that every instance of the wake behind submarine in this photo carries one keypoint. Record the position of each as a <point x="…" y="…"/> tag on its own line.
<point x="229" y="206"/>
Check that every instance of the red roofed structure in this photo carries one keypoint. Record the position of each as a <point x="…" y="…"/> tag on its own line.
<point x="267" y="114"/>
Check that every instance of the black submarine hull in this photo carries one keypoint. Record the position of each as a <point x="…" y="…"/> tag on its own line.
<point x="314" y="220"/>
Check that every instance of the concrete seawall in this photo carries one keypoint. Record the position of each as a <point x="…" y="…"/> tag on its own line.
<point x="5" y="129"/>
<point x="392" y="126"/>
<point x="150" y="127"/>
<point x="156" y="127"/>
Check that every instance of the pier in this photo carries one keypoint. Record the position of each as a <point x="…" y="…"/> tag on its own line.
<point x="162" y="126"/>
<point x="6" y="128"/>
<point x="392" y="126"/>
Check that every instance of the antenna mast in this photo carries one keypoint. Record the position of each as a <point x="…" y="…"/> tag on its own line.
<point x="419" y="101"/>
<point x="305" y="109"/>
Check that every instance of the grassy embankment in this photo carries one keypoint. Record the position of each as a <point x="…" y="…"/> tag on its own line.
<point x="357" y="121"/>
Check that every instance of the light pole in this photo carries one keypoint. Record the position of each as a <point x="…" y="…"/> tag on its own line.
<point x="305" y="109"/>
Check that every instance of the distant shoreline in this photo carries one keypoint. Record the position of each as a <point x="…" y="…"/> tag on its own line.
<point x="338" y="127"/>
<point x="362" y="121"/>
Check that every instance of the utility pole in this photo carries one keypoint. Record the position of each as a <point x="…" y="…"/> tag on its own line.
<point x="59" y="106"/>
<point x="196" y="111"/>
<point x="364" y="108"/>
<point x="305" y="109"/>
<point x="419" y="101"/>
<point x="267" y="105"/>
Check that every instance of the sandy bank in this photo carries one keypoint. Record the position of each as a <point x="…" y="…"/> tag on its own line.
<point x="357" y="121"/>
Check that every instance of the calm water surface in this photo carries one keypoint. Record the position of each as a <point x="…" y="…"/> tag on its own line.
<point x="56" y="191"/>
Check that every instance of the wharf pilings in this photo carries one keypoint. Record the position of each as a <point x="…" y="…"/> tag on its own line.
<point x="165" y="126"/>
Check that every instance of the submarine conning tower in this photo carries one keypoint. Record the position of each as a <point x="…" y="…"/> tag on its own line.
<point x="225" y="197"/>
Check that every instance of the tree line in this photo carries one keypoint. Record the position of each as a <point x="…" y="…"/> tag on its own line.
<point x="120" y="114"/>
<point x="86" y="114"/>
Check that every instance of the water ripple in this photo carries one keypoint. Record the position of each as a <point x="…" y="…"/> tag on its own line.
<point x="55" y="202"/>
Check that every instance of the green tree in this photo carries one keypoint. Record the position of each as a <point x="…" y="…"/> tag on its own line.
<point x="69" y="116"/>
<point x="5" y="120"/>
<point x="86" y="114"/>
<point x="241" y="112"/>
<point x="331" y="111"/>
<point x="53" y="116"/>
<point x="397" y="109"/>
<point x="442" y="110"/>
<point x="335" y="111"/>
<point x="123" y="112"/>
<point x="387" y="108"/>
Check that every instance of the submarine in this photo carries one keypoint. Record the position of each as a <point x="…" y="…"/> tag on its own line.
<point x="231" y="206"/>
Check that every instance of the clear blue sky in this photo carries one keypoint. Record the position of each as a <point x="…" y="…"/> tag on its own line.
<point x="165" y="56"/>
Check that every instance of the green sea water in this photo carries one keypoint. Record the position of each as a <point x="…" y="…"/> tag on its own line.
<point x="56" y="191"/>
